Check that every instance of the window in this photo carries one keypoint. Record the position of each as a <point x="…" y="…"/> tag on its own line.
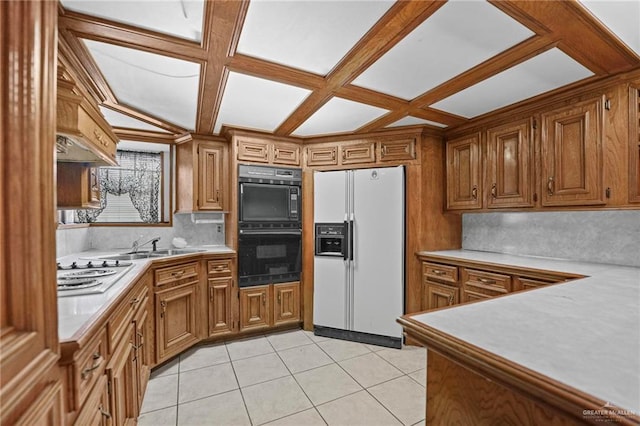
<point x="136" y="191"/>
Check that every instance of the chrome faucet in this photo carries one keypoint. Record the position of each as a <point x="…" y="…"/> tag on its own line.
<point x="135" y="246"/>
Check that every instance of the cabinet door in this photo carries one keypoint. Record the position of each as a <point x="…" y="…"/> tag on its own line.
<point x="220" y="308"/>
<point x="96" y="410"/>
<point x="142" y="354"/>
<point x="255" y="308"/>
<point x="634" y="144"/>
<point x="358" y="154"/>
<point x="176" y="321"/>
<point x="509" y="166"/>
<point x="463" y="173"/>
<point x="123" y="379"/>
<point x="288" y="154"/>
<point x="210" y="177"/>
<point x="397" y="150"/>
<point x="322" y="156"/>
<point x="439" y="296"/>
<point x="286" y="303"/>
<point x="572" y="155"/>
<point x="255" y="151"/>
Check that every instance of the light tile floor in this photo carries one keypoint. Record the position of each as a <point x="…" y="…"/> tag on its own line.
<point x="288" y="378"/>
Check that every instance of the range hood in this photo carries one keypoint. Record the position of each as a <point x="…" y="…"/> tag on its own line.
<point x="83" y="134"/>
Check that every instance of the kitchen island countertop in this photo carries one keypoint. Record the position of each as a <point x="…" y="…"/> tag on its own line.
<point x="584" y="334"/>
<point x="76" y="312"/>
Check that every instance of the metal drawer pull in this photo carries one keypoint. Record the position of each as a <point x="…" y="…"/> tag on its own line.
<point x="89" y="371"/>
<point x="438" y="272"/>
<point x="219" y="267"/>
<point x="487" y="281"/>
<point x="264" y="298"/>
<point x="134" y="301"/>
<point x="177" y="274"/>
<point x="550" y="185"/>
<point x="494" y="191"/>
<point x="104" y="413"/>
<point x="474" y="192"/>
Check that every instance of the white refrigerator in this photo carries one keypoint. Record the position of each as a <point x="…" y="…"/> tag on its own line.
<point x="359" y="296"/>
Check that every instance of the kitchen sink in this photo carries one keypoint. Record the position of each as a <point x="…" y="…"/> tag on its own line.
<point x="150" y="254"/>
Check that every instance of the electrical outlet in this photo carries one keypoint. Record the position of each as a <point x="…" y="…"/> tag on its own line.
<point x="219" y="228"/>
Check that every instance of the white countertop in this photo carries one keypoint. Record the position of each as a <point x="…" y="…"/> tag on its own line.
<point x="584" y="333"/>
<point x="75" y="312"/>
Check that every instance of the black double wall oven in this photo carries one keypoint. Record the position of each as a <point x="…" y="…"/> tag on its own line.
<point x="269" y="225"/>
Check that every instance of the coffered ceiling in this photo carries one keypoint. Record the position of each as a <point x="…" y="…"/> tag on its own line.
<point x="310" y="68"/>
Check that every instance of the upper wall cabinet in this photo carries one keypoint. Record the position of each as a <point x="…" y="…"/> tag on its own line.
<point x="464" y="180"/>
<point x="361" y="152"/>
<point x="634" y="143"/>
<point x="269" y="152"/>
<point x="572" y="154"/>
<point x="509" y="166"/>
<point x="202" y="176"/>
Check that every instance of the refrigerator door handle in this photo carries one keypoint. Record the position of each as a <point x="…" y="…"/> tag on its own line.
<point x="351" y="247"/>
<point x="345" y="244"/>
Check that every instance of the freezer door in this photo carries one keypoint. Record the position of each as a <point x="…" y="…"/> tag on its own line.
<point x="378" y="255"/>
<point x="329" y="196"/>
<point x="330" y="292"/>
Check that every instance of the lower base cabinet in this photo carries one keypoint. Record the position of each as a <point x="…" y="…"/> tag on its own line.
<point x="437" y="295"/>
<point x="269" y="305"/>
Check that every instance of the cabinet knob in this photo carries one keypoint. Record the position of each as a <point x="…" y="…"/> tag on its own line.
<point x="474" y="192"/>
<point x="550" y="185"/>
<point x="494" y="191"/>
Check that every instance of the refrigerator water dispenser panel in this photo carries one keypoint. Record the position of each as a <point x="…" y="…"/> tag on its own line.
<point x="330" y="239"/>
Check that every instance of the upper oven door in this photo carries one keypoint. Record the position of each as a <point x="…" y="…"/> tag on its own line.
<point x="261" y="202"/>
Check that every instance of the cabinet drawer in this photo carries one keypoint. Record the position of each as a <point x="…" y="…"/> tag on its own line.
<point x="357" y="154"/>
<point x="444" y="273"/>
<point x="253" y="151"/>
<point x="219" y="268"/>
<point x="483" y="281"/>
<point x="172" y="274"/>
<point x="529" y="283"/>
<point x="398" y="150"/>
<point x="322" y="156"/>
<point x="286" y="154"/>
<point x="120" y="320"/>
<point x="89" y="366"/>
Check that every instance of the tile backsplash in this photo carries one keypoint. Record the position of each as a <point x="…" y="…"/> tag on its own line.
<point x="209" y="231"/>
<point x="608" y="236"/>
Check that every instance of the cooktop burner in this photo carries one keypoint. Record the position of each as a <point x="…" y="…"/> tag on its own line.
<point x="78" y="284"/>
<point x="90" y="264"/>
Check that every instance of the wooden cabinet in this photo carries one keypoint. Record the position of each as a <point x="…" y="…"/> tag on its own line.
<point x="77" y="186"/>
<point x="223" y="297"/>
<point x="202" y="175"/>
<point x="322" y="156"/>
<point x="572" y="155"/>
<point x="483" y="285"/>
<point x="464" y="180"/>
<point x="267" y="151"/>
<point x="286" y="307"/>
<point x="634" y="144"/>
<point x="440" y="286"/>
<point x="509" y="166"/>
<point x="176" y="308"/>
<point x="361" y="153"/>
<point x="269" y="305"/>
<point x="96" y="411"/>
<point x="123" y="381"/>
<point x="255" y="307"/>
<point x="210" y="176"/>
<point x="397" y="149"/>
<point x="448" y="282"/>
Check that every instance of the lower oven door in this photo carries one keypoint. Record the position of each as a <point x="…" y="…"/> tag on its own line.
<point x="269" y="256"/>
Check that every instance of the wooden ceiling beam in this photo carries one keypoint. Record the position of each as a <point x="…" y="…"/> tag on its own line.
<point x="578" y="33"/>
<point x="145" y="117"/>
<point x="402" y="18"/>
<point x="98" y="29"/>
<point x="125" y="133"/>
<point x="223" y="21"/>
<point x="255" y="67"/>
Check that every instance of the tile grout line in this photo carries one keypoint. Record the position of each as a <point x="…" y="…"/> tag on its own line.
<point x="246" y="409"/>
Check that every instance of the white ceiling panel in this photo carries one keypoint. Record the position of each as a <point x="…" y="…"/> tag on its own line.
<point x="257" y="103"/>
<point x="621" y="16"/>
<point x="143" y="146"/>
<point x="459" y="36"/>
<point x="310" y="35"/>
<point x="180" y="18"/>
<point x="117" y="119"/>
<point x="161" y="86"/>
<point x="339" y="115"/>
<point x="410" y="121"/>
<point x="547" y="71"/>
